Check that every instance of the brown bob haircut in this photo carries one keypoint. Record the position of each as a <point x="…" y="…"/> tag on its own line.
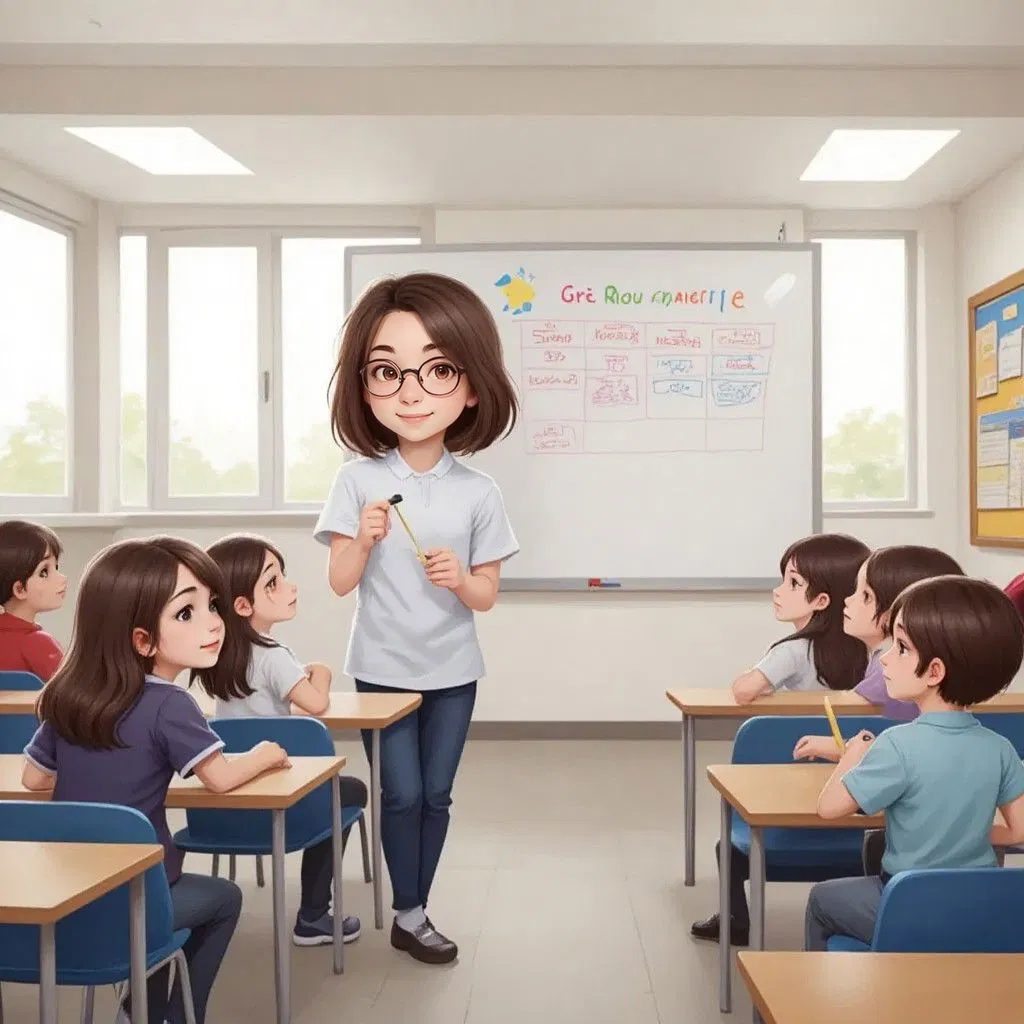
<point x="889" y="571"/>
<point x="240" y="558"/>
<point x="125" y="587"/>
<point x="461" y="326"/>
<point x="829" y="563"/>
<point x="970" y="626"/>
<point x="22" y="547"/>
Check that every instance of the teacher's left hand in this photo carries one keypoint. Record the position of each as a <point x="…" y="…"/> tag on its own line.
<point x="443" y="568"/>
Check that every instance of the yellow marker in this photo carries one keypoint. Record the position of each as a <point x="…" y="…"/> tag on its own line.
<point x="394" y="500"/>
<point x="836" y="734"/>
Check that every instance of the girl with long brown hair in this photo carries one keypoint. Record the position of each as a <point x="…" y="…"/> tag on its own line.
<point x="116" y="727"/>
<point x="257" y="676"/>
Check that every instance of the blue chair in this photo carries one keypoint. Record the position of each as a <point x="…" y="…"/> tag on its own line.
<point x="242" y="833"/>
<point x="799" y="854"/>
<point x="17" y="730"/>
<point x="947" y="910"/>
<point x="93" y="944"/>
<point x="1011" y="726"/>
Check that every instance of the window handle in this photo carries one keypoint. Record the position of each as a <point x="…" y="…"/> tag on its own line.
<point x="266" y="386"/>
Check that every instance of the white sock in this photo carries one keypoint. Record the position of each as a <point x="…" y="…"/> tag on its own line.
<point x="410" y="920"/>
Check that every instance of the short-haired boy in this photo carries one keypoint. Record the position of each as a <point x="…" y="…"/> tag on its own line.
<point x="955" y="643"/>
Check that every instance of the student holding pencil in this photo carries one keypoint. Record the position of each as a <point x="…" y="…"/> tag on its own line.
<point x="955" y="643"/>
<point x="419" y="375"/>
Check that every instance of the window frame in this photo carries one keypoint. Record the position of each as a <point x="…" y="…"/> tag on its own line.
<point x="271" y="456"/>
<point x="35" y="504"/>
<point x="910" y="368"/>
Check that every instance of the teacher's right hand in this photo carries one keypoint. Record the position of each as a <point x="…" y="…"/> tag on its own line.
<point x="374" y="523"/>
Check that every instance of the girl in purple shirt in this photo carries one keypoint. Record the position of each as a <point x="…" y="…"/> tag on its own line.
<point x="880" y="580"/>
<point x="116" y="728"/>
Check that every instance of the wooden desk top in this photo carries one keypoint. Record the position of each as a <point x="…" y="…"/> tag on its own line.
<point x="275" y="790"/>
<point x="347" y="710"/>
<point x="782" y="795"/>
<point x="18" y="702"/>
<point x="884" y="988"/>
<point x="42" y="882"/>
<point x="720" y="703"/>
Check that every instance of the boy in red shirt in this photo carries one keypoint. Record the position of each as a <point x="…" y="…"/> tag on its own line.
<point x="30" y="583"/>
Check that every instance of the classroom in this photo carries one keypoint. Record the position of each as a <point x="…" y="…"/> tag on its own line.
<point x="812" y="219"/>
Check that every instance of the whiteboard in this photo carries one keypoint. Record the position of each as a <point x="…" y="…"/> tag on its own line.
<point x="669" y="435"/>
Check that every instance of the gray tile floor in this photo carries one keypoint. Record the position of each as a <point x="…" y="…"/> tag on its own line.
<point x="562" y="884"/>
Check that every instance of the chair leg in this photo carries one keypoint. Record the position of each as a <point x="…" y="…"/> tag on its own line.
<point x="232" y="865"/>
<point x="216" y="865"/>
<point x="185" y="982"/>
<point x="88" y="1002"/>
<point x="1" y="1004"/>
<point x="364" y="843"/>
<point x="260" y="880"/>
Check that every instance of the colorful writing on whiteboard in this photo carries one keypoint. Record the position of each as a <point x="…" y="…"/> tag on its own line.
<point x="614" y="295"/>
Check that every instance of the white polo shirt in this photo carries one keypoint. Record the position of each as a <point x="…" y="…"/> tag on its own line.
<point x="407" y="633"/>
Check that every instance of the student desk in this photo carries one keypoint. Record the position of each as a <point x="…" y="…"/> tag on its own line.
<point x="765" y="796"/>
<point x="41" y="883"/>
<point x="720" y="703"/>
<point x="274" y="791"/>
<point x="884" y="988"/>
<point x="372" y="711"/>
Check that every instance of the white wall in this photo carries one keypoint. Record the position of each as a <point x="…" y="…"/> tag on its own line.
<point x="609" y="657"/>
<point x="990" y="246"/>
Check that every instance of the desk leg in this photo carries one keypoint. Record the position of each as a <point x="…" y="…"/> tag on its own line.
<point x="47" y="975"/>
<point x="137" y="930"/>
<point x="378" y="891"/>
<point x="336" y="840"/>
<point x="725" y="911"/>
<point x="757" y="873"/>
<point x="689" y="796"/>
<point x="281" y="963"/>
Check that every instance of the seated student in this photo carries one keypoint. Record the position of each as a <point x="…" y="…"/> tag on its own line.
<point x="880" y="580"/>
<point x="255" y="676"/>
<point x="115" y="727"/>
<point x="1015" y="592"/>
<point x="30" y="583"/>
<point x="940" y="778"/>
<point x="817" y="574"/>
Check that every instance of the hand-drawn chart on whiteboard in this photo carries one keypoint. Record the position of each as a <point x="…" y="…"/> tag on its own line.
<point x="669" y="428"/>
<point x="607" y="386"/>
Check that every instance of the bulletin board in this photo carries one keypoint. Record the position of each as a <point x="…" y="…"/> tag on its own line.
<point x="996" y="332"/>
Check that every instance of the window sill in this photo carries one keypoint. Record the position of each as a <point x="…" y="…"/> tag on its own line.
<point x="893" y="512"/>
<point x="300" y="519"/>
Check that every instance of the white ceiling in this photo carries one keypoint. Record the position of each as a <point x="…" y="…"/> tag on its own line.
<point x="783" y="22"/>
<point x="498" y="160"/>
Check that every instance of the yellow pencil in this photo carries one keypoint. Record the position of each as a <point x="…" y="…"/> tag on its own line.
<point x="394" y="500"/>
<point x="836" y="734"/>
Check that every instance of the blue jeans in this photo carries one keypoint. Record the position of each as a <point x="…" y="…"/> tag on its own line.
<point x="210" y="907"/>
<point x="419" y="756"/>
<point x="842" y="906"/>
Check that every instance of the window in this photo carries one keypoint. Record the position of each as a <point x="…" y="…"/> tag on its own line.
<point x="35" y="318"/>
<point x="243" y="331"/>
<point x="867" y="303"/>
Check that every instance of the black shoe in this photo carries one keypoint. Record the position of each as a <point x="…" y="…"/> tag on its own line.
<point x="424" y="943"/>
<point x="739" y="934"/>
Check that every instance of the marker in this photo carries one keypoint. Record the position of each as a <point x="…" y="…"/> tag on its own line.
<point x="393" y="502"/>
<point x="836" y="734"/>
<point x="595" y="583"/>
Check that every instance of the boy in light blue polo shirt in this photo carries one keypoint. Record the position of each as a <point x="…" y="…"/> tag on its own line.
<point x="939" y="779"/>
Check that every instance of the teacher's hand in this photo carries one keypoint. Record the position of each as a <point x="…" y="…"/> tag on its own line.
<point x="443" y="569"/>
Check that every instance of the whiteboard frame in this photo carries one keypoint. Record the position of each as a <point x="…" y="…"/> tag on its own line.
<point x="639" y="583"/>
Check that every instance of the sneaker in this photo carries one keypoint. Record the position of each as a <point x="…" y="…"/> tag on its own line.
<point x="321" y="933"/>
<point x="739" y="934"/>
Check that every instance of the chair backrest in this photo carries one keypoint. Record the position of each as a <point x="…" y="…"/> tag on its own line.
<point x="17" y="730"/>
<point x="955" y="910"/>
<point x="1010" y="725"/>
<point x="301" y="737"/>
<point x="770" y="739"/>
<point x="95" y="937"/>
